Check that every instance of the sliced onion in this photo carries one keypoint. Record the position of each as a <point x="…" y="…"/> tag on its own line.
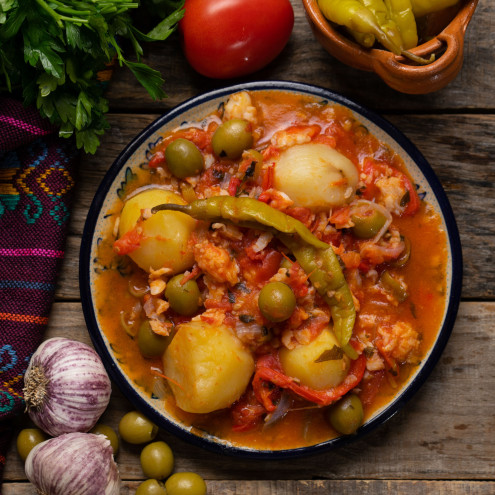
<point x="248" y="329"/>
<point x="137" y="290"/>
<point x="250" y="332"/>
<point x="282" y="409"/>
<point x="160" y="388"/>
<point x="225" y="181"/>
<point x="262" y="241"/>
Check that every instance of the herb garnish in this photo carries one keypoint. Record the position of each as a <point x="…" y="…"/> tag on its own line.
<point x="332" y="354"/>
<point x="51" y="52"/>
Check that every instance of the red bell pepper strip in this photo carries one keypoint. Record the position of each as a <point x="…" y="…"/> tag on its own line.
<point x="157" y="159"/>
<point x="414" y="202"/>
<point x="268" y="178"/>
<point x="233" y="186"/>
<point x="130" y="241"/>
<point x="247" y="412"/>
<point x="268" y="370"/>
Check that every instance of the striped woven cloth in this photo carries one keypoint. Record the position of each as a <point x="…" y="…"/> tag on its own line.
<point x="36" y="186"/>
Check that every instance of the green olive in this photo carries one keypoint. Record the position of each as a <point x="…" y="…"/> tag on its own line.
<point x="107" y="431"/>
<point x="28" y="439"/>
<point x="136" y="428"/>
<point x="157" y="460"/>
<point x="151" y="487"/>
<point x="232" y="138"/>
<point x="185" y="484"/>
<point x="276" y="301"/>
<point x="367" y="223"/>
<point x="183" y="158"/>
<point x="185" y="298"/>
<point x="150" y="343"/>
<point x="346" y="416"/>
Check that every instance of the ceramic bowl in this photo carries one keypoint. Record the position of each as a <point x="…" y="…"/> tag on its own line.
<point x="397" y="71"/>
<point x="137" y="153"/>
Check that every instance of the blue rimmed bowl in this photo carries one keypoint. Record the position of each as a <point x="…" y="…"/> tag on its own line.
<point x="138" y="152"/>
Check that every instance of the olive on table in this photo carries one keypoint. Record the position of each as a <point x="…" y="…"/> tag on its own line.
<point x="136" y="428"/>
<point x="109" y="432"/>
<point x="346" y="416"/>
<point x="151" y="487"/>
<point x="367" y="223"/>
<point x="232" y="138"/>
<point x="150" y="343"/>
<point x="183" y="298"/>
<point x="183" y="158"/>
<point x="276" y="301"/>
<point x="185" y="484"/>
<point x="28" y="439"/>
<point x="157" y="460"/>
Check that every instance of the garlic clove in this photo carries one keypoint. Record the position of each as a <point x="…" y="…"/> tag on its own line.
<point x="74" y="464"/>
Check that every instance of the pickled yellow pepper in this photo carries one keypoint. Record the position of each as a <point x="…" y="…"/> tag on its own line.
<point x="355" y="16"/>
<point x="401" y="12"/>
<point x="364" y="39"/>
<point x="424" y="7"/>
<point x="382" y="15"/>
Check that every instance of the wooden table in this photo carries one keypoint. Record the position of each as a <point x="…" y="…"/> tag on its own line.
<point x="443" y="441"/>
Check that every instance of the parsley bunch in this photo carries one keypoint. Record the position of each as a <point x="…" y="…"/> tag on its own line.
<point x="51" y="52"/>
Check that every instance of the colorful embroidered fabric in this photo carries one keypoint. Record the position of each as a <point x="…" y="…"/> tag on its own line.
<point x="36" y="186"/>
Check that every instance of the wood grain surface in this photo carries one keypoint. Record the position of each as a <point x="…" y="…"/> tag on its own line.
<point x="443" y="440"/>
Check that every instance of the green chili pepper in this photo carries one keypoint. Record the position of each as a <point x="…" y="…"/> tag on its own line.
<point x="401" y="12"/>
<point x="424" y="7"/>
<point x="325" y="273"/>
<point x="357" y="17"/>
<point x="248" y="212"/>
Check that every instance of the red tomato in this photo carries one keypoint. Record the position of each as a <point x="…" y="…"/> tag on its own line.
<point x="232" y="38"/>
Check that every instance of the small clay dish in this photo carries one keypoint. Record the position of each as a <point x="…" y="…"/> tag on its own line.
<point x="401" y="74"/>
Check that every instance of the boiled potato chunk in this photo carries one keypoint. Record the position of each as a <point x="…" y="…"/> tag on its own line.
<point x="316" y="176"/>
<point x="208" y="366"/>
<point x="302" y="362"/>
<point x="166" y="233"/>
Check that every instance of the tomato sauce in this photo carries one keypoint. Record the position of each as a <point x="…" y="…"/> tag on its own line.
<point x="397" y="277"/>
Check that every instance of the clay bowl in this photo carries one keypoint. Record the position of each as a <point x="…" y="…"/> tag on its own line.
<point x="398" y="72"/>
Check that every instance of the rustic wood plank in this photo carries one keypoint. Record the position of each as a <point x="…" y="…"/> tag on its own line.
<point x="442" y="433"/>
<point x="442" y="441"/>
<point x="310" y="487"/>
<point x="304" y="60"/>
<point x="458" y="147"/>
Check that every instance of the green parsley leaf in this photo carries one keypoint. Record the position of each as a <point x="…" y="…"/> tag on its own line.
<point x="148" y="77"/>
<point x="52" y="51"/>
